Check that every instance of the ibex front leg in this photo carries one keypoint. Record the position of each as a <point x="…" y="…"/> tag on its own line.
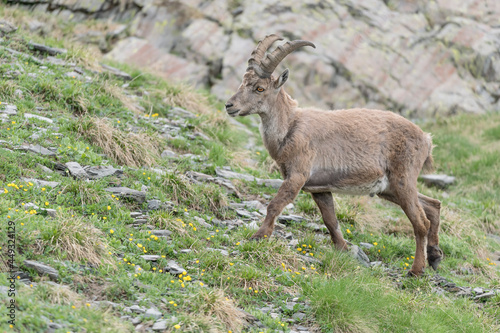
<point x="287" y="192"/>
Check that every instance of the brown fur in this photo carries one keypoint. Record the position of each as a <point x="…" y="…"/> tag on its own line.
<point x="356" y="151"/>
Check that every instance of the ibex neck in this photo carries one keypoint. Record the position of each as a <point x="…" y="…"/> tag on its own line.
<point x="276" y="123"/>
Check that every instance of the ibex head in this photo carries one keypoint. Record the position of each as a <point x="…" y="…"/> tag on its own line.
<point x="259" y="88"/>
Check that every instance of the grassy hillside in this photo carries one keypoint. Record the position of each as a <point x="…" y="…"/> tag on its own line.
<point x="97" y="241"/>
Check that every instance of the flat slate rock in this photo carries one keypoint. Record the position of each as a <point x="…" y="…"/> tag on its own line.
<point x="233" y="175"/>
<point x="42" y="269"/>
<point x="358" y="254"/>
<point x="222" y="182"/>
<point x="287" y="219"/>
<point x="100" y="171"/>
<point x="39" y="150"/>
<point x="174" y="268"/>
<point x="40" y="183"/>
<point x="228" y="174"/>
<point x="47" y="49"/>
<point x="441" y="181"/>
<point x="274" y="183"/>
<point x="150" y="257"/>
<point x="6" y="27"/>
<point x="160" y="325"/>
<point x="128" y="193"/>
<point x="76" y="170"/>
<point x="30" y="115"/>
<point x="117" y="72"/>
<point x="8" y="109"/>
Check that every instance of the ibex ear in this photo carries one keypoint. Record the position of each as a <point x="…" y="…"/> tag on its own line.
<point x="281" y="79"/>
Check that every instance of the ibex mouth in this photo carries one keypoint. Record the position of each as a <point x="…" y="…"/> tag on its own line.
<point x="233" y="113"/>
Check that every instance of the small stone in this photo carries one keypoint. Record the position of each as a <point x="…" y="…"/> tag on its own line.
<point x="136" y="309"/>
<point x="40" y="183"/>
<point x="441" y="181"/>
<point x="160" y="325"/>
<point x="478" y="290"/>
<point x="288" y="219"/>
<point x="136" y="320"/>
<point x="135" y="214"/>
<point x="366" y="245"/>
<point x="98" y="172"/>
<point x="290" y="305"/>
<point x="150" y="257"/>
<point x="243" y="213"/>
<point x="76" y="170"/>
<point x="168" y="154"/>
<point x="274" y="183"/>
<point x="154" y="204"/>
<point x="39" y="150"/>
<point x="8" y="109"/>
<point x="51" y="212"/>
<point x="174" y="268"/>
<point x="185" y="251"/>
<point x="154" y="313"/>
<point x="161" y="233"/>
<point x="253" y="226"/>
<point x="357" y="253"/>
<point x="74" y="75"/>
<point x="115" y="71"/>
<point x="299" y="316"/>
<point x="6" y="27"/>
<point x="46" y="49"/>
<point x="128" y="193"/>
<point x="485" y="295"/>
<point x="42" y="269"/>
<point x="266" y="309"/>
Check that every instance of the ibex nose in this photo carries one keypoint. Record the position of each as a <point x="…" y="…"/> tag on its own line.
<point x="228" y="105"/>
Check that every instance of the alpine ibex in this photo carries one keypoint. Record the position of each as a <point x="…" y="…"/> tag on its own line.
<point x="356" y="151"/>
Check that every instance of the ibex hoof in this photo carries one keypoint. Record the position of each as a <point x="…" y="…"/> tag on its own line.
<point x="434" y="256"/>
<point x="414" y="274"/>
<point x="258" y="236"/>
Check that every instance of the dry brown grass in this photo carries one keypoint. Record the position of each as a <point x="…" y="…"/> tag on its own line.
<point x="186" y="97"/>
<point x="212" y="302"/>
<point x="54" y="293"/>
<point x="73" y="238"/>
<point x="135" y="150"/>
<point x="117" y="92"/>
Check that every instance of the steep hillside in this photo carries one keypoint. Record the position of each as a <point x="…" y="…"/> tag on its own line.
<point x="131" y="201"/>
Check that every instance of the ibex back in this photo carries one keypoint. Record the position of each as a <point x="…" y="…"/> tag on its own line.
<point x="355" y="151"/>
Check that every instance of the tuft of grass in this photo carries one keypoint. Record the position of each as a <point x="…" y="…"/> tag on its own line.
<point x="130" y="149"/>
<point x="212" y="302"/>
<point x="73" y="238"/>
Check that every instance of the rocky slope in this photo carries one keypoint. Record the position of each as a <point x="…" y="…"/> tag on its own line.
<point x="415" y="57"/>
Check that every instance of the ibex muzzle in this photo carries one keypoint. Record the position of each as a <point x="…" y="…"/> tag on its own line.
<point x="355" y="151"/>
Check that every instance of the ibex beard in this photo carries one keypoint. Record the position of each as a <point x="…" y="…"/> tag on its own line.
<point x="356" y="151"/>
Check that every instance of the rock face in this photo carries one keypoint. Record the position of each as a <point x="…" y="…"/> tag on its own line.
<point x="414" y="57"/>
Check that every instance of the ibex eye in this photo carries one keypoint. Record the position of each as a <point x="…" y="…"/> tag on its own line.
<point x="260" y="89"/>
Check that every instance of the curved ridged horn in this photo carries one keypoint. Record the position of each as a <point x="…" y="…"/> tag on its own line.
<point x="271" y="61"/>
<point x="259" y="52"/>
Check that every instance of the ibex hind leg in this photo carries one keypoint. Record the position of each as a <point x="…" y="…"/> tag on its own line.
<point x="325" y="204"/>
<point x="432" y="208"/>
<point x="408" y="201"/>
